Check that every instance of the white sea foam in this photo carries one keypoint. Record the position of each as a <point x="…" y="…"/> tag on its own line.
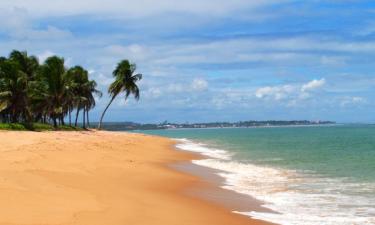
<point x="187" y="145"/>
<point x="299" y="198"/>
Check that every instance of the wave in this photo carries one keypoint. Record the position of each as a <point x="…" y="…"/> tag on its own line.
<point x="299" y="197"/>
<point x="187" y="145"/>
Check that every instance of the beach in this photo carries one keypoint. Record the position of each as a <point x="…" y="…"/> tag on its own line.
<point x="101" y="178"/>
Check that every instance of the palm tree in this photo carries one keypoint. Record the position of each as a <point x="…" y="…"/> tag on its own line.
<point x="27" y="67"/>
<point x="54" y="82"/>
<point x="30" y="92"/>
<point x="89" y="103"/>
<point x="78" y="77"/>
<point x="70" y="97"/>
<point x="16" y="73"/>
<point x="13" y="91"/>
<point x="125" y="81"/>
<point x="27" y="64"/>
<point x="82" y="92"/>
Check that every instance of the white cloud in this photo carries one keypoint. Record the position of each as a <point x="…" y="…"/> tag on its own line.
<point x="292" y="93"/>
<point x="102" y="79"/>
<point x="135" y="52"/>
<point x="134" y="9"/>
<point x="152" y="93"/>
<point x="313" y="85"/>
<point x="333" y="61"/>
<point x="274" y="51"/>
<point x="17" y="23"/>
<point x="69" y="62"/>
<point x="47" y="53"/>
<point x="13" y="18"/>
<point x="44" y="55"/>
<point x="50" y="32"/>
<point x="233" y="97"/>
<point x="276" y="92"/>
<point x="352" y="101"/>
<point x="199" y="84"/>
<point x="175" y="88"/>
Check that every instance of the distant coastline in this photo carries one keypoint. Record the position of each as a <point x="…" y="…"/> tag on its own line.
<point x="123" y="126"/>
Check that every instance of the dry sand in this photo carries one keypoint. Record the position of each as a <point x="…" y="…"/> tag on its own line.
<point x="99" y="178"/>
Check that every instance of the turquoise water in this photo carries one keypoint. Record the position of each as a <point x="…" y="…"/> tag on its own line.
<point x="324" y="174"/>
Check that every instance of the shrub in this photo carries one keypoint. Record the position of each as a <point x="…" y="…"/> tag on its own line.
<point x="12" y="126"/>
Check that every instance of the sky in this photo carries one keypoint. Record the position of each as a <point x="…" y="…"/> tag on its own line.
<point x="211" y="60"/>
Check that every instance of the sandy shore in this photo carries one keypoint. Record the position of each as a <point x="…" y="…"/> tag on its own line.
<point x="103" y="178"/>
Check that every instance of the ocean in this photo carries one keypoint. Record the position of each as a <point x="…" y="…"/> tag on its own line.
<point x="309" y="175"/>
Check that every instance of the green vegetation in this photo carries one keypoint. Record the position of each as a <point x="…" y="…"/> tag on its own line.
<point x="36" y="127"/>
<point x="33" y="96"/>
<point x="12" y="126"/>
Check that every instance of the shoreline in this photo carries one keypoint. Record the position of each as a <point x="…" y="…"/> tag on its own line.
<point x="100" y="177"/>
<point x="211" y="190"/>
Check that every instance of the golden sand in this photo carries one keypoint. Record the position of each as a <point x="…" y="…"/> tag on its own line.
<point x="99" y="178"/>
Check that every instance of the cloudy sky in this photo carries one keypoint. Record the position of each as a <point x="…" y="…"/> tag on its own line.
<point x="212" y="60"/>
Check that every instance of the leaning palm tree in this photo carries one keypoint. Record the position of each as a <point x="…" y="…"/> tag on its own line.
<point x="125" y="82"/>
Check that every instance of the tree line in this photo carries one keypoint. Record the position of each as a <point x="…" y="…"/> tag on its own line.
<point x="49" y="92"/>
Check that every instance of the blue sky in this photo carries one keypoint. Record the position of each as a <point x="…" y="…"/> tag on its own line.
<point x="206" y="60"/>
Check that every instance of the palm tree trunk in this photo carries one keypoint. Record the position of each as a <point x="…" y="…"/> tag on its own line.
<point x="105" y="110"/>
<point x="84" y="118"/>
<point x="75" y="124"/>
<point x="14" y="116"/>
<point x="70" y="116"/>
<point x="87" y="117"/>
<point x="54" y="122"/>
<point x="62" y="120"/>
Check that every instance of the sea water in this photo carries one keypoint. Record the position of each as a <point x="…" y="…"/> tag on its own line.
<point x="308" y="175"/>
